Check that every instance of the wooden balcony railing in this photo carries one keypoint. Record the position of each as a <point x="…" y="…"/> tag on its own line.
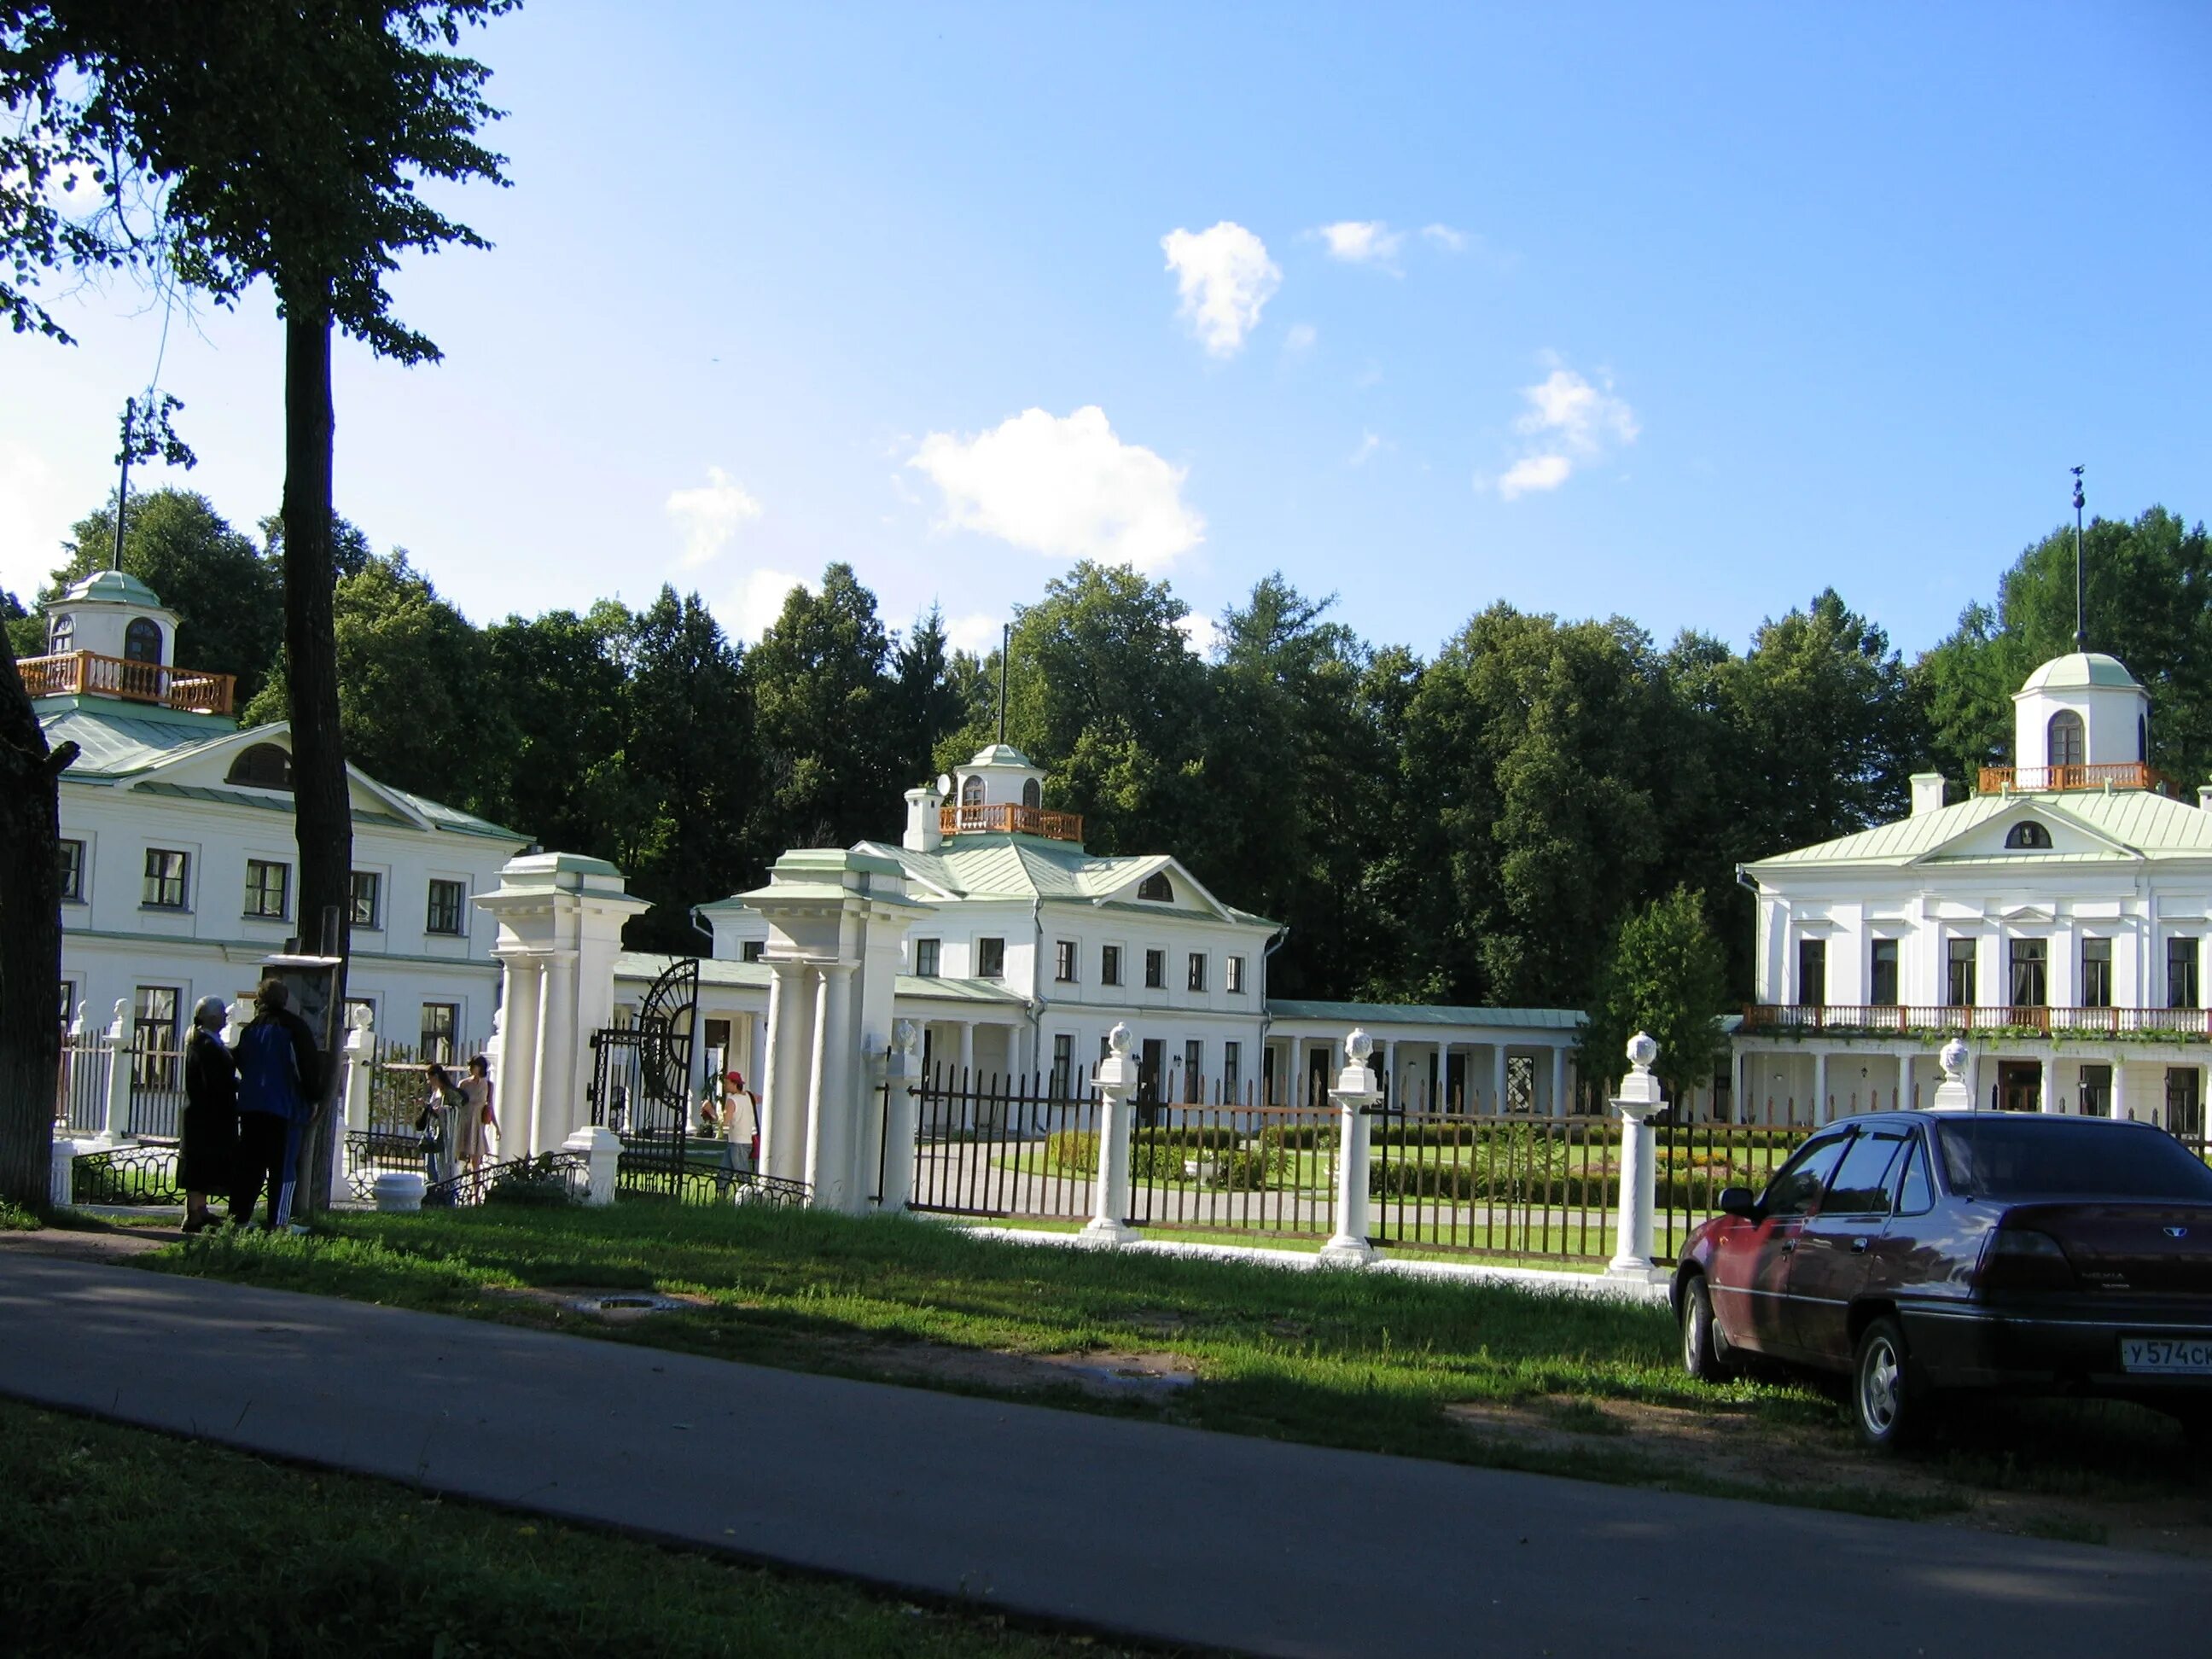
<point x="2052" y="780"/>
<point x="1794" y="1019"/>
<point x="88" y="673"/>
<point x="1011" y="821"/>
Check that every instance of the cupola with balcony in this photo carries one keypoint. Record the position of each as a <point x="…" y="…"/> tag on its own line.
<point x="1000" y="791"/>
<point x="2081" y="721"/>
<point x="109" y="636"/>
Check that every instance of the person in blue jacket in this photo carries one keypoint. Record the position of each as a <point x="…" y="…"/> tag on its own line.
<point x="279" y="1081"/>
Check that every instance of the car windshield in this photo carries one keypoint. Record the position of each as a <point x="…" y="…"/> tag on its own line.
<point x="2052" y="1158"/>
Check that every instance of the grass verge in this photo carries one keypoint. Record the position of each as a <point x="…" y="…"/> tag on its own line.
<point x="193" y="1549"/>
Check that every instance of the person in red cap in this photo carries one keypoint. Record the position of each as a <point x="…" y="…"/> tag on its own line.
<point x="733" y="1091"/>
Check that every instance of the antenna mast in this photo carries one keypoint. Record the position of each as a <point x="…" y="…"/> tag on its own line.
<point x="123" y="489"/>
<point x="2080" y="584"/>
<point x="1005" y="649"/>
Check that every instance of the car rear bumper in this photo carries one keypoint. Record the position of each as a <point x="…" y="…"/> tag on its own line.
<point x="2072" y="1350"/>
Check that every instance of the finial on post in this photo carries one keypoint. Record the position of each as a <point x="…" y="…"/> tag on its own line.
<point x="1952" y="1094"/>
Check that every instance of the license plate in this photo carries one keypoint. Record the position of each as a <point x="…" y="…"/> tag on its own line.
<point x="2170" y="1355"/>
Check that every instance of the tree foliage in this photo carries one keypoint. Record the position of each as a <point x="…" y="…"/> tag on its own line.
<point x="1666" y="975"/>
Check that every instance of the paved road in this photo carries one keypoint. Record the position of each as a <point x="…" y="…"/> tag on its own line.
<point x="1161" y="1531"/>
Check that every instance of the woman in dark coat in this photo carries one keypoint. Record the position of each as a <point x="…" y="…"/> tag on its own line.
<point x="209" y="1154"/>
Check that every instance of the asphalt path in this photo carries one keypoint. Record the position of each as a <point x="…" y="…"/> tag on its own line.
<point x="1169" y="1533"/>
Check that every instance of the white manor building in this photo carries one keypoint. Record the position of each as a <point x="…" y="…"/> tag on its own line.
<point x="179" y="862"/>
<point x="2057" y="919"/>
<point x="1021" y="950"/>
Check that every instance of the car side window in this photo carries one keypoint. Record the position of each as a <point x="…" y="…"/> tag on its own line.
<point x="1915" y="1195"/>
<point x="1867" y="1179"/>
<point x="1797" y="1187"/>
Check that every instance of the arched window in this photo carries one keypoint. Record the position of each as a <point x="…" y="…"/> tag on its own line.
<point x="1032" y="794"/>
<point x="61" y="634"/>
<point x="2142" y="739"/>
<point x="2067" y="745"/>
<point x="1156" y="887"/>
<point x="971" y="791"/>
<point x="265" y="766"/>
<point x="142" y="641"/>
<point x="2029" y="835"/>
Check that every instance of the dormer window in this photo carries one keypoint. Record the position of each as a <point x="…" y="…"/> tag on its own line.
<point x="263" y="766"/>
<point x="61" y="634"/>
<point x="1157" y="888"/>
<point x="2028" y="837"/>
<point x="142" y="641"/>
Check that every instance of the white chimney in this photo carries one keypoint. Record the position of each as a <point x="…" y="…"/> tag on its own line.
<point x="1927" y="793"/>
<point x="2204" y="796"/>
<point x="925" y="829"/>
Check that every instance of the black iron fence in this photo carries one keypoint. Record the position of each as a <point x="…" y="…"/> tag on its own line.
<point x="1234" y="1166"/>
<point x="1001" y="1144"/>
<point x="126" y="1175"/>
<point x="157" y="1090"/>
<point x="1523" y="1186"/>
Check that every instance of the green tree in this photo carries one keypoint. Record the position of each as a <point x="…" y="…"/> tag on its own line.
<point x="561" y="689"/>
<point x="1666" y="974"/>
<point x="827" y="719"/>
<point x="26" y="629"/>
<point x="927" y="704"/>
<point x="230" y="611"/>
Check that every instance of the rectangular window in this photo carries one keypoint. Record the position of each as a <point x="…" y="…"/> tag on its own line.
<point x="1197" y="972"/>
<point x="166" y="878"/>
<point x="1884" y="979"/>
<point x="1232" y="1071"/>
<point x="752" y="950"/>
<point x="925" y="957"/>
<point x="2181" y="973"/>
<point x="441" y="1023"/>
<point x="72" y="872"/>
<point x="1194" y="1071"/>
<point x="990" y="958"/>
<point x="2031" y="982"/>
<point x="268" y="889"/>
<point x="448" y="908"/>
<point x="1063" y="961"/>
<point x="2184" y="1103"/>
<point x="367" y="899"/>
<point x="1151" y="1061"/>
<point x="1959" y="980"/>
<point x="1232" y="976"/>
<point x="2096" y="973"/>
<point x="2097" y="1088"/>
<point x="1063" y="1066"/>
<point x="1156" y="970"/>
<point x="154" y="1036"/>
<point x="1109" y="964"/>
<point x="1812" y="973"/>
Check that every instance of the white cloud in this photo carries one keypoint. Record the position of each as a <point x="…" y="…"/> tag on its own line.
<point x="1534" y="472"/>
<point x="977" y="633"/>
<point x="1443" y="236"/>
<point x="1225" y="276"/>
<point x="710" y="515"/>
<point x="1362" y="242"/>
<point x="1570" y="421"/>
<point x="1369" y="443"/>
<point x="1203" y="632"/>
<point x="1065" y="487"/>
<point x="759" y="599"/>
<point x="1299" y="339"/>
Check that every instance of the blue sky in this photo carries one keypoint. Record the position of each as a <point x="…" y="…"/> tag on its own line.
<point x="1681" y="314"/>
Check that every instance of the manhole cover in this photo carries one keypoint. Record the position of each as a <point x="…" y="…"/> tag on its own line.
<point x="626" y="1305"/>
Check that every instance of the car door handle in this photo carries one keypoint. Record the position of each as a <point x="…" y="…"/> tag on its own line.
<point x="1787" y="1245"/>
<point x="1858" y="1246"/>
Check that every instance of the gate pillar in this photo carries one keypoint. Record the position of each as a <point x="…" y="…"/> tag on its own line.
<point x="836" y="920"/>
<point x="559" y="918"/>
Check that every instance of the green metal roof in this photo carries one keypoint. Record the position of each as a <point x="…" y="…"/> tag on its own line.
<point x="1026" y="867"/>
<point x="1418" y="1013"/>
<point x="2078" y="669"/>
<point x="269" y="802"/>
<point x="110" y="586"/>
<point x="2145" y="824"/>
<point x="754" y="975"/>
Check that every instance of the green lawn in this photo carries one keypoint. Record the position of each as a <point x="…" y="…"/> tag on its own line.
<point x="121" y="1539"/>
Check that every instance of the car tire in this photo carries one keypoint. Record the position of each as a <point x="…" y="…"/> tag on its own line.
<point x="1705" y="1354"/>
<point x="1887" y="1406"/>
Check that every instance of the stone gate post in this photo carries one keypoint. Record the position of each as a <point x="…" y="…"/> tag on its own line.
<point x="115" y="1115"/>
<point x="1355" y="1095"/>
<point x="1109" y="1227"/>
<point x="900" y="1075"/>
<point x="360" y="1071"/>
<point x="1638" y="1103"/>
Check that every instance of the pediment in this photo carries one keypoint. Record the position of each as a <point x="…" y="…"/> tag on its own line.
<point x="2046" y="827"/>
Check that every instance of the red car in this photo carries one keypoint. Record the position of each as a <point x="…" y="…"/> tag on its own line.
<point x="1923" y="1254"/>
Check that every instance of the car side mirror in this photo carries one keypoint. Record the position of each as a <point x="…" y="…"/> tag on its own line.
<point x="1739" y="1200"/>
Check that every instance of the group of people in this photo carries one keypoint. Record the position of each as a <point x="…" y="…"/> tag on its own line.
<point x="456" y="1123"/>
<point x="245" y="1109"/>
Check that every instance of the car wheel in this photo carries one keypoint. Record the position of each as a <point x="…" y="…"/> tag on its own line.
<point x="1704" y="1355"/>
<point x="1887" y="1405"/>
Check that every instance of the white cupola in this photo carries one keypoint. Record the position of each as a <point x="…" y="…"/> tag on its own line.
<point x="111" y="613"/>
<point x="2080" y="711"/>
<point x="1000" y="776"/>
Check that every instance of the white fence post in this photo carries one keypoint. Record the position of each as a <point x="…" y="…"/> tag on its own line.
<point x="115" y="1117"/>
<point x="900" y="1077"/>
<point x="1638" y="1101"/>
<point x="1109" y="1227"/>
<point x="1355" y="1095"/>
<point x="602" y="1147"/>
<point x="360" y="1068"/>
<point x="61" y="1183"/>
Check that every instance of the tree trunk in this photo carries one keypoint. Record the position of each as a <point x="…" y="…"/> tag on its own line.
<point x="30" y="939"/>
<point x="320" y="798"/>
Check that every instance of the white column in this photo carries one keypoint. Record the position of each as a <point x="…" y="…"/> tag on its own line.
<point x="1639" y="1100"/>
<point x="2120" y="1112"/>
<point x="901" y="1077"/>
<point x="1108" y="1229"/>
<point x="1559" y="1104"/>
<point x="1821" y="1111"/>
<point x="1498" y="1075"/>
<point x="1354" y="1095"/>
<point x="832" y="1109"/>
<point x="518" y="1054"/>
<point x="1294" y="1081"/>
<point x="964" y="1089"/>
<point x="1443" y="1100"/>
<point x="561" y="1054"/>
<point x="2047" y="1096"/>
<point x="1390" y="1076"/>
<point x="115" y="1116"/>
<point x="784" y="1085"/>
<point x="1974" y="1078"/>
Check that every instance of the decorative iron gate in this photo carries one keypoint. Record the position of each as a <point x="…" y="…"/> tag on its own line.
<point x="641" y="1080"/>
